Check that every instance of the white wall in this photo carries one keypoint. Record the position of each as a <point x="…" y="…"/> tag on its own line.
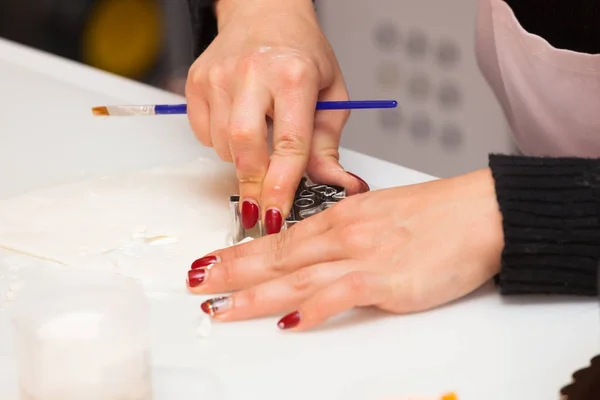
<point x="421" y="53"/>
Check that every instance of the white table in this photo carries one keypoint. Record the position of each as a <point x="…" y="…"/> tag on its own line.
<point x="484" y="347"/>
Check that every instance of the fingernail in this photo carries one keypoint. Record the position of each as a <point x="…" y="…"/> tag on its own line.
<point x="289" y="321"/>
<point x="249" y="214"/>
<point x="364" y="186"/>
<point x="196" y="277"/>
<point x="273" y="221"/>
<point x="204" y="262"/>
<point x="216" y="305"/>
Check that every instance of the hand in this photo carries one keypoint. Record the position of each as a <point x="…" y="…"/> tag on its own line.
<point x="270" y="58"/>
<point x="404" y="250"/>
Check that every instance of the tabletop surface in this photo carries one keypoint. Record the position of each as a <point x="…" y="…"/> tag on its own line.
<point x="483" y="346"/>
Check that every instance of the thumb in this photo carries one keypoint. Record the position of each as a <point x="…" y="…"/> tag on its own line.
<point x="327" y="170"/>
<point x="324" y="160"/>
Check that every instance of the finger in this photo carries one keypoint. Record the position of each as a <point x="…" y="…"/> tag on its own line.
<point x="355" y="289"/>
<point x="315" y="226"/>
<point x="199" y="117"/>
<point x="248" y="147"/>
<point x="292" y="134"/>
<point x="220" y="107"/>
<point x="275" y="296"/>
<point x="323" y="165"/>
<point x="244" y="272"/>
<point x="197" y="111"/>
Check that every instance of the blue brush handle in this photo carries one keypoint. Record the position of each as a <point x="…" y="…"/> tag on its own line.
<point x="170" y="109"/>
<point x="356" y="104"/>
<point x="321" y="105"/>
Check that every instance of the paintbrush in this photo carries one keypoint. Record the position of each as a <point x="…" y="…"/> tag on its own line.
<point x="173" y="109"/>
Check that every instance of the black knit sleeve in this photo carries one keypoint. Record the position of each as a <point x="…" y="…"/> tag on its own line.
<point x="551" y="220"/>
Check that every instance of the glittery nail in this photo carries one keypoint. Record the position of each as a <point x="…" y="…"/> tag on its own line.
<point x="216" y="305"/>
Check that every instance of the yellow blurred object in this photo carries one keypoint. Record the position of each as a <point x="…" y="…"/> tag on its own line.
<point x="123" y="36"/>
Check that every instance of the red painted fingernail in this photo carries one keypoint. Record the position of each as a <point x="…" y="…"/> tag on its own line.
<point x="273" y="221"/>
<point x="216" y="305"/>
<point x="364" y="186"/>
<point x="196" y="277"/>
<point x="289" y="321"/>
<point x="249" y="214"/>
<point x="204" y="262"/>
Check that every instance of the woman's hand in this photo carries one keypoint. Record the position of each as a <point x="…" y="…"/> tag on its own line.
<point x="403" y="250"/>
<point x="270" y="58"/>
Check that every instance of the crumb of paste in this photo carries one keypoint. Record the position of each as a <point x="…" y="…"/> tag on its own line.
<point x="204" y="328"/>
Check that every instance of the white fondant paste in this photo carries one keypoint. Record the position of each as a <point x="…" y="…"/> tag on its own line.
<point x="149" y="225"/>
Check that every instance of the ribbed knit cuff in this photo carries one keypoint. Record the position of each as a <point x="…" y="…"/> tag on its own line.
<point x="551" y="221"/>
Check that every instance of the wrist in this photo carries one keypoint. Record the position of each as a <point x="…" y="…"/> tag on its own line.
<point x="479" y="188"/>
<point x="226" y="9"/>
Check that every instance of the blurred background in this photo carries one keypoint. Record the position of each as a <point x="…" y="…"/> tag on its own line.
<point x="420" y="52"/>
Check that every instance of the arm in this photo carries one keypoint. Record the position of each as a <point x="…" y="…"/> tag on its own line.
<point x="550" y="206"/>
<point x="204" y="24"/>
<point x="562" y="23"/>
<point x="551" y="222"/>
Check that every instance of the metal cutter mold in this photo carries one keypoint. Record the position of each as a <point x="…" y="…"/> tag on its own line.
<point x="310" y="199"/>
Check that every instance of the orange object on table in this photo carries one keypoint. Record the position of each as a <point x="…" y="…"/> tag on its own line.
<point x="450" y="396"/>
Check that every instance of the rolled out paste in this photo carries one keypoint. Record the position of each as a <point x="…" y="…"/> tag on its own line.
<point x="149" y="225"/>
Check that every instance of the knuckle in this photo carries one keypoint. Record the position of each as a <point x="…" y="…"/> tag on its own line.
<point x="356" y="283"/>
<point x="278" y="256"/>
<point x="228" y="273"/>
<point x="217" y="76"/>
<point x="251" y="297"/>
<point x="248" y="174"/>
<point x="298" y="71"/>
<point x="301" y="280"/>
<point x="402" y="234"/>
<point x="323" y="156"/>
<point x="241" y="134"/>
<point x="196" y="79"/>
<point x="240" y="251"/>
<point x="195" y="75"/>
<point x="290" y="144"/>
<point x="279" y="242"/>
<point x="250" y="64"/>
<point x="353" y="236"/>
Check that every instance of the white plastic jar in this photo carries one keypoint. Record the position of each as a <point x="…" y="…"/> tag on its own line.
<point x="83" y="335"/>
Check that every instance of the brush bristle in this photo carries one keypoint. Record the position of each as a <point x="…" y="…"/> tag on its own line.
<point x="100" y="111"/>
